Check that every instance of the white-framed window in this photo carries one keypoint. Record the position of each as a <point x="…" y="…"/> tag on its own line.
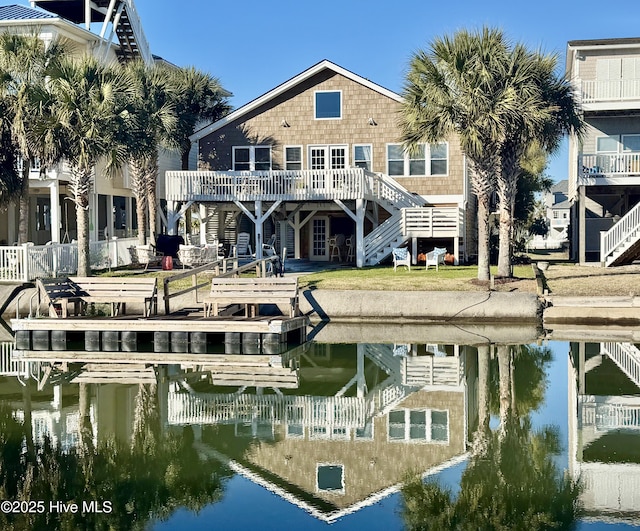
<point x="293" y="157"/>
<point x="363" y="156"/>
<point x="251" y="158"/>
<point x="427" y="159"/>
<point x="419" y="425"/>
<point x="607" y="144"/>
<point x="327" y="104"/>
<point x="631" y="143"/>
<point x="330" y="478"/>
<point x="35" y="164"/>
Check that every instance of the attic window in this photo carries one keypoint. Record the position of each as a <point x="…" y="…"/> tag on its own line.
<point x="328" y="105"/>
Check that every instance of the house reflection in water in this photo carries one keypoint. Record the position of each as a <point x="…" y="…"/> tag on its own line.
<point x="604" y="422"/>
<point x="330" y="427"/>
<point x="361" y="418"/>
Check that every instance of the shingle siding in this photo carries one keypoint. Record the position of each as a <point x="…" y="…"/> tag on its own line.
<point x="296" y="107"/>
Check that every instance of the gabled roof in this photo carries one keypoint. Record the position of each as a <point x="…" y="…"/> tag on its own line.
<point x="287" y="85"/>
<point x="561" y="186"/>
<point x="16" y="12"/>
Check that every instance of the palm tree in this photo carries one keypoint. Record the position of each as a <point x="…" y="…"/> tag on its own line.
<point x="549" y="111"/>
<point x="10" y="183"/>
<point x="452" y="90"/>
<point x="85" y="114"/>
<point x="24" y="60"/>
<point x="153" y="118"/>
<point x="198" y="96"/>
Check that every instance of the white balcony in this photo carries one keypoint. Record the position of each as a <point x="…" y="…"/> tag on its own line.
<point x="611" y="94"/>
<point x="609" y="169"/>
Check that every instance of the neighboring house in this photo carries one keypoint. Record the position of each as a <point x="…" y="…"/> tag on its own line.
<point x="604" y="429"/>
<point x="319" y="156"/>
<point x="558" y="210"/>
<point x="112" y="205"/>
<point x="604" y="167"/>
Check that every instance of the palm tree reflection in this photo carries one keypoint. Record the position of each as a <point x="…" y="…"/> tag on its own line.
<point x="144" y="480"/>
<point x="512" y="480"/>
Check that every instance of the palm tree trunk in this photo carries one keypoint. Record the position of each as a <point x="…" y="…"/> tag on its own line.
<point x="151" y="177"/>
<point x="483" y="238"/>
<point x="481" y="439"/>
<point x="504" y="367"/>
<point x="137" y="186"/>
<point x="84" y="265"/>
<point x="504" y="246"/>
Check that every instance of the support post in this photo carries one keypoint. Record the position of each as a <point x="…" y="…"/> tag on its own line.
<point x="582" y="225"/>
<point x="360" y="212"/>
<point x="54" y="198"/>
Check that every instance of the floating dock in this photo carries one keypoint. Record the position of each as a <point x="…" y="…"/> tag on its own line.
<point x="150" y="337"/>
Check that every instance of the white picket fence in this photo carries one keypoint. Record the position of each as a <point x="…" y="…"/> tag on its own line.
<point x="23" y="263"/>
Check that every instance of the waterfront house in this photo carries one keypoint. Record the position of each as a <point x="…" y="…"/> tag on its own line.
<point x="111" y="203"/>
<point x="316" y="164"/>
<point x="604" y="167"/>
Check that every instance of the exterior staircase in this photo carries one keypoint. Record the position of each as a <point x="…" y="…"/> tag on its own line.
<point x="406" y="223"/>
<point x="627" y="357"/>
<point x="121" y="14"/>
<point x="621" y="243"/>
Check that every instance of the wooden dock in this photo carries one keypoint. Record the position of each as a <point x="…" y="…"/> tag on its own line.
<point x="182" y="333"/>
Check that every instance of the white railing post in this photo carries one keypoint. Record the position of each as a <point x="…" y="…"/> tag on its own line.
<point x="24" y="260"/>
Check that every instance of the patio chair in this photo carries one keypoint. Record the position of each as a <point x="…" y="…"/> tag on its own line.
<point x="335" y="247"/>
<point x="145" y="255"/>
<point x="269" y="248"/>
<point x="401" y="256"/>
<point x="189" y="255"/>
<point x="435" y="257"/>
<point x="350" y="248"/>
<point x="242" y="248"/>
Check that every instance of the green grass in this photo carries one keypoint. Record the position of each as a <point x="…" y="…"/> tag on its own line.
<point x="449" y="278"/>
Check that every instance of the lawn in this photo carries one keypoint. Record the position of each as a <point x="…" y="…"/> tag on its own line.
<point x="448" y="278"/>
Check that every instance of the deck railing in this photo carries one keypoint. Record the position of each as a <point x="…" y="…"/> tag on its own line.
<point x="594" y="91"/>
<point x="23" y="263"/>
<point x="616" y="235"/>
<point x="212" y="408"/>
<point x="289" y="185"/>
<point x="614" y="164"/>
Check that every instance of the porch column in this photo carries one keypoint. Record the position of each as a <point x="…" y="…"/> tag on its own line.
<point x="414" y="251"/>
<point x="128" y="215"/>
<point x="258" y="228"/>
<point x="110" y="228"/>
<point x="12" y="234"/>
<point x="172" y="217"/>
<point x="360" y="212"/>
<point x="298" y="248"/>
<point x="582" y="225"/>
<point x="54" y="198"/>
<point x="202" y="209"/>
<point x="456" y="250"/>
<point x="93" y="217"/>
<point x="361" y="386"/>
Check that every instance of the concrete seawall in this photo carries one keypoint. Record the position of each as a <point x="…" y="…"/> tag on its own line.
<point x="432" y="306"/>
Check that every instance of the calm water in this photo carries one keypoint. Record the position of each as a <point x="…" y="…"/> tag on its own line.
<point x="324" y="436"/>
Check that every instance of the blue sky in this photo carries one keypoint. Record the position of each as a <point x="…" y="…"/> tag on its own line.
<point x="253" y="46"/>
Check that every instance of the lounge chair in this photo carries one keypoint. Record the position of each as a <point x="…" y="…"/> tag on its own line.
<point x="435" y="257"/>
<point x="242" y="248"/>
<point x="401" y="256"/>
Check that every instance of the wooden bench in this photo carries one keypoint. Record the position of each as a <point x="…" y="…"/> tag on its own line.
<point x="59" y="293"/>
<point x="252" y="292"/>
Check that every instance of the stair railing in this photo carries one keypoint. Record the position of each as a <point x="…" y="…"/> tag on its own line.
<point x="610" y="240"/>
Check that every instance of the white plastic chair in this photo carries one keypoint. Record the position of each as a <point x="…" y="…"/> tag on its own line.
<point x="242" y="248"/>
<point x="335" y="247"/>
<point x="401" y="256"/>
<point x="435" y="257"/>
